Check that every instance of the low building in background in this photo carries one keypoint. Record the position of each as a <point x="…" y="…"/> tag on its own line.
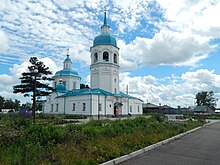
<point x="203" y="109"/>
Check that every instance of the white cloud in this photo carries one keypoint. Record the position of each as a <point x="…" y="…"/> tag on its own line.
<point x="74" y="25"/>
<point x="48" y="62"/>
<point x="183" y="33"/>
<point x="44" y="26"/>
<point x="197" y="16"/>
<point x="128" y="13"/>
<point x="166" y="48"/>
<point x="178" y="91"/>
<point x="3" y="42"/>
<point x="8" y="81"/>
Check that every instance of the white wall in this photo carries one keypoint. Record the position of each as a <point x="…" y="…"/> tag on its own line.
<point x="91" y="105"/>
<point x="69" y="81"/>
<point x="103" y="74"/>
<point x="52" y="101"/>
<point x="78" y="101"/>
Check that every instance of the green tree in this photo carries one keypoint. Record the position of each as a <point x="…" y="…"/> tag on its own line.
<point x="2" y="100"/>
<point x="27" y="105"/>
<point x="34" y="83"/>
<point x="17" y="104"/>
<point x="10" y="104"/>
<point x="206" y="98"/>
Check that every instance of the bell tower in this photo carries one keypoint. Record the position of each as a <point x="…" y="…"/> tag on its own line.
<point x="104" y="68"/>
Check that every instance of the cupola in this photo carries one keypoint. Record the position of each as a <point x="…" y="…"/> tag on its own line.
<point x="105" y="38"/>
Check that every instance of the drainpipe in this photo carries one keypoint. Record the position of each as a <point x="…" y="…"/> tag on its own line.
<point x="105" y="104"/>
<point x="91" y="105"/>
<point x="128" y="98"/>
<point x="98" y="106"/>
<point x="64" y="110"/>
<point x="128" y="105"/>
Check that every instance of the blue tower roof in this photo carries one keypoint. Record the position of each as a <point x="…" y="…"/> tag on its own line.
<point x="68" y="59"/>
<point x="104" y="39"/>
<point x="66" y="72"/>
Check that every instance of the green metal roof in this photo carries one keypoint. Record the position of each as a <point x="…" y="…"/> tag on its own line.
<point x="68" y="59"/>
<point x="89" y="91"/>
<point x="104" y="39"/>
<point x="200" y="108"/>
<point x="66" y="72"/>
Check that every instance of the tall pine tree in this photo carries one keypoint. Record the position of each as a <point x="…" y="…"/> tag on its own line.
<point x="33" y="82"/>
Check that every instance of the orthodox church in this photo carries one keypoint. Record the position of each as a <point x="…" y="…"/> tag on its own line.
<point x="103" y="98"/>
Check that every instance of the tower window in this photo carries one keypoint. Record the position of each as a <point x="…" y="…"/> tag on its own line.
<point x="95" y="57"/>
<point x="115" y="58"/>
<point x="105" y="56"/>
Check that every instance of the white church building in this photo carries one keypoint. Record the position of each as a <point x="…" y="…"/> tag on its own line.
<point x="103" y="98"/>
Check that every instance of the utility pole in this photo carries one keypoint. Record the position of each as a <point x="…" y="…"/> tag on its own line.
<point x="98" y="105"/>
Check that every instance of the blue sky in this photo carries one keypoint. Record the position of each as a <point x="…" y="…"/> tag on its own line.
<point x="169" y="50"/>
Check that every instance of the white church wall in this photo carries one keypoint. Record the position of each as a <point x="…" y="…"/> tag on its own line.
<point x="98" y="100"/>
<point x="109" y="106"/>
<point x="124" y="110"/>
<point x="79" y="105"/>
<point x="68" y="81"/>
<point x="88" y="105"/>
<point x="53" y="104"/>
<point x="135" y="107"/>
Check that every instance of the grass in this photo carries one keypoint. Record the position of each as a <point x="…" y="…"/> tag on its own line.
<point x="91" y="143"/>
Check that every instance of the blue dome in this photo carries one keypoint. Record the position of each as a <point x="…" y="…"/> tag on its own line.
<point x="66" y="72"/>
<point x="104" y="39"/>
<point x="60" y="88"/>
<point x="67" y="59"/>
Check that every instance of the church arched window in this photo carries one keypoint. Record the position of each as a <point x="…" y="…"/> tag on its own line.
<point x="95" y="57"/>
<point x="115" y="58"/>
<point x="105" y="56"/>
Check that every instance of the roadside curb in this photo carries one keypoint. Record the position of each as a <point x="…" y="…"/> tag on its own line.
<point x="148" y="148"/>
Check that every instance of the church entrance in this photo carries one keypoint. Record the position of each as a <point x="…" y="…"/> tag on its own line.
<point x="117" y="108"/>
<point x="116" y="111"/>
